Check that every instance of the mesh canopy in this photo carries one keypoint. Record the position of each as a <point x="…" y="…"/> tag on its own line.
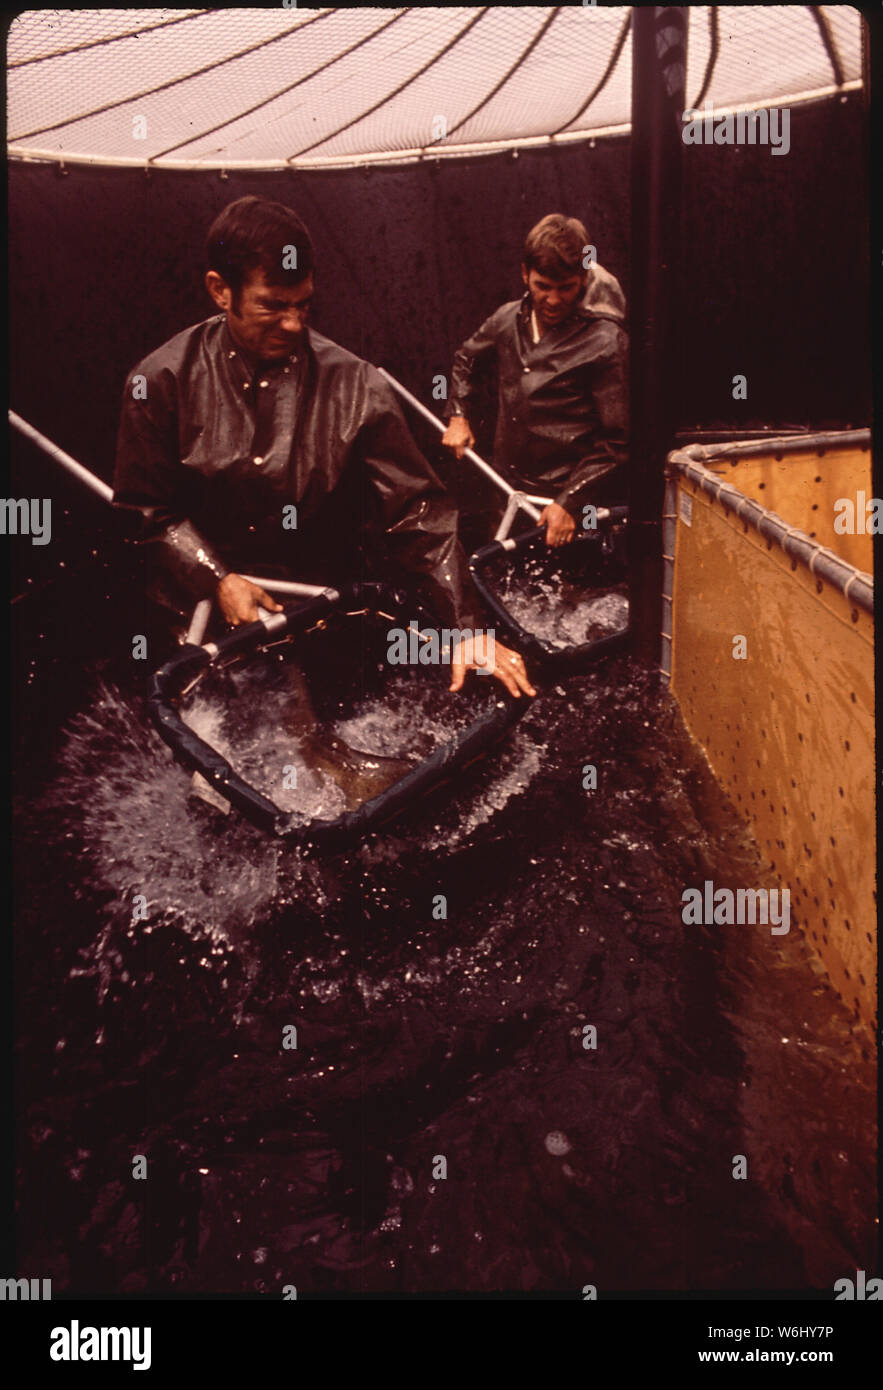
<point x="257" y="88"/>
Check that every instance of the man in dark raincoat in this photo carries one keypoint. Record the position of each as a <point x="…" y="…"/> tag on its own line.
<point x="560" y="357"/>
<point x="249" y="442"/>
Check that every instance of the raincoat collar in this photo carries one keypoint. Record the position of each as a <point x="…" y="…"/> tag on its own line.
<point x="251" y="363"/>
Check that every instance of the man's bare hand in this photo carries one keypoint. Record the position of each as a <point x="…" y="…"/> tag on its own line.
<point x="560" y="525"/>
<point x="458" y="436"/>
<point x="239" y="599"/>
<point x="506" y="665"/>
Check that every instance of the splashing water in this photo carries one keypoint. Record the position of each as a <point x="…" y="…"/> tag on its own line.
<point x="130" y="804"/>
<point x="127" y="801"/>
<point x="560" y="613"/>
<point x="251" y="721"/>
<point x="418" y="1034"/>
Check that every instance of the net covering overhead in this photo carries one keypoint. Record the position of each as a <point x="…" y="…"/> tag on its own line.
<point x="289" y="86"/>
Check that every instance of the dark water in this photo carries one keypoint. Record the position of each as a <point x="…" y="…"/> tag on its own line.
<point x="419" y="1039"/>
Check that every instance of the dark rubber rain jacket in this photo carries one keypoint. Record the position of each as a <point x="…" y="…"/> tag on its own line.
<point x="214" y="445"/>
<point x="562" y="403"/>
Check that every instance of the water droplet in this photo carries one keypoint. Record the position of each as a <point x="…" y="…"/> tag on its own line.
<point x="557" y="1143"/>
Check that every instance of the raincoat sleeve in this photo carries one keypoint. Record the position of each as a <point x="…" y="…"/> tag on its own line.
<point x="419" y="517"/>
<point x="471" y="363"/>
<point x="609" y="450"/>
<point x="147" y="482"/>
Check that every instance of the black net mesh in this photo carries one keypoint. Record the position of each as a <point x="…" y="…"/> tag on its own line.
<point x="250" y="87"/>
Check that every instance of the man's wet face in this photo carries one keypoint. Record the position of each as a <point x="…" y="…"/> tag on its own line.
<point x="268" y="320"/>
<point x="552" y="300"/>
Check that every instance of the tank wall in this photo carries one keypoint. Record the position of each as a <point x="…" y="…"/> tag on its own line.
<point x="786" y="719"/>
<point x="805" y="489"/>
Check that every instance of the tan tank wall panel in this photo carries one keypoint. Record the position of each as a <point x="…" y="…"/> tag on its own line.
<point x="803" y="490"/>
<point x="789" y="731"/>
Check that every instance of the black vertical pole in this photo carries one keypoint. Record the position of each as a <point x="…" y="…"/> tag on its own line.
<point x="659" y="49"/>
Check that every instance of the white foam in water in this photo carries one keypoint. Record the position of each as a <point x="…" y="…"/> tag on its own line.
<point x="515" y="766"/>
<point x="252" y="730"/>
<point x="388" y="728"/>
<point x="266" y="755"/>
<point x="121" y="792"/>
<point x="550" y="612"/>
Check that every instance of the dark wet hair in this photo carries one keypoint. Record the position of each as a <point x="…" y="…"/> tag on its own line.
<point x="555" y="246"/>
<point x="252" y="234"/>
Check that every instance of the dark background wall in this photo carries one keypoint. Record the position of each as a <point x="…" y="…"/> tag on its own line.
<point x="105" y="264"/>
